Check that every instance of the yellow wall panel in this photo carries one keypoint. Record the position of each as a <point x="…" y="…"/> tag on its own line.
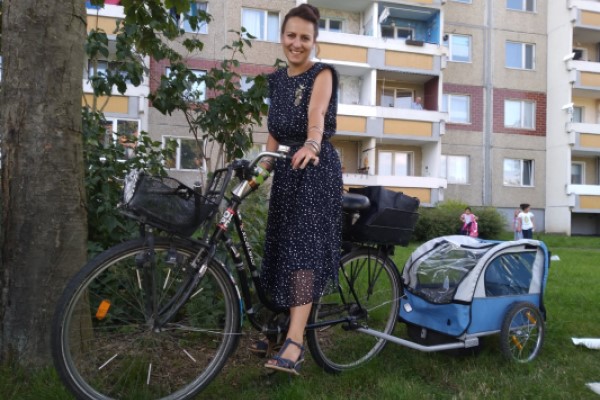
<point x="404" y="127"/>
<point x="408" y="60"/>
<point x="106" y="24"/>
<point x="589" y="202"/>
<point x="590" y="79"/>
<point x="351" y="124"/>
<point x="342" y="52"/>
<point x="113" y="104"/>
<point x="589" y="140"/>
<point x="590" y="18"/>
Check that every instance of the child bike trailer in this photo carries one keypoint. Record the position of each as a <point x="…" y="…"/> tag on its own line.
<point x="459" y="288"/>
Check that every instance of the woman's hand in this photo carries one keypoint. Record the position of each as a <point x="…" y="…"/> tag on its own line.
<point x="303" y="157"/>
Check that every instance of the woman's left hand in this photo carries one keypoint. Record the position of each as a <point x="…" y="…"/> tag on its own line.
<point x="303" y="157"/>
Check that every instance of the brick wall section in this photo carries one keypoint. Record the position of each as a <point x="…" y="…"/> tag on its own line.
<point x="157" y="68"/>
<point x="476" y="94"/>
<point x="509" y="94"/>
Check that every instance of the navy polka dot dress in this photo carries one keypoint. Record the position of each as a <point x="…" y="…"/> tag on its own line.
<point x="302" y="248"/>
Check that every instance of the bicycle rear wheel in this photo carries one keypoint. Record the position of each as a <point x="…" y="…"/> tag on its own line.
<point x="368" y="292"/>
<point x="106" y="343"/>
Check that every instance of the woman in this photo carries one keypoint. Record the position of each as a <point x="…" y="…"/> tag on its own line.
<point x="302" y="246"/>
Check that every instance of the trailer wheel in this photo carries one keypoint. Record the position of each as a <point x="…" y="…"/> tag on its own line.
<point x="522" y="332"/>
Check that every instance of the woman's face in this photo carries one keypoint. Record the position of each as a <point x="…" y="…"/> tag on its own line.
<point x="298" y="40"/>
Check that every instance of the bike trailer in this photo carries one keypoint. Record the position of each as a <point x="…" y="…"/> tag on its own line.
<point x="459" y="285"/>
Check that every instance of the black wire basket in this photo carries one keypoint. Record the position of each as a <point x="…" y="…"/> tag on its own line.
<point x="170" y="205"/>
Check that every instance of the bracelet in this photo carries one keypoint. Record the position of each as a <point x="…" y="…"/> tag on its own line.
<point x="316" y="128"/>
<point x="314" y="145"/>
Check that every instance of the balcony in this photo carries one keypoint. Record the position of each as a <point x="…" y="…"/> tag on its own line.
<point x="584" y="138"/>
<point x="584" y="198"/>
<point x="390" y="125"/>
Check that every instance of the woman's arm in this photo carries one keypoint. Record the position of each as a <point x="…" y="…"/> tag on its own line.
<point x="317" y="108"/>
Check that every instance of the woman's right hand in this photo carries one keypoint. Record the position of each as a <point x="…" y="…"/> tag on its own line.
<point x="303" y="157"/>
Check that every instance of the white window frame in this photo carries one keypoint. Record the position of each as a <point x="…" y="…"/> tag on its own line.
<point x="522" y="166"/>
<point x="452" y="46"/>
<point x="578" y="110"/>
<point x="409" y="162"/>
<point x="524" y="6"/>
<point x="447" y="106"/>
<point x="581" y="164"/>
<point x="522" y="114"/>
<point x="522" y="62"/>
<point x="114" y="133"/>
<point x="454" y="163"/>
<point x="395" y="96"/>
<point x="178" y="160"/>
<point x="463" y="1"/>
<point x="396" y="30"/>
<point x="326" y="26"/>
<point x="193" y="11"/>
<point x="267" y="32"/>
<point x="194" y="88"/>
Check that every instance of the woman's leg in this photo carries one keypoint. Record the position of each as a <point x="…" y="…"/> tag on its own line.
<point x="298" y="318"/>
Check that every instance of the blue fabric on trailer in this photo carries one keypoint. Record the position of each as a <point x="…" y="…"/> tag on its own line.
<point x="488" y="313"/>
<point x="451" y="319"/>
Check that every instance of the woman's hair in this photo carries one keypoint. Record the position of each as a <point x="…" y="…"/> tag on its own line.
<point x="305" y="11"/>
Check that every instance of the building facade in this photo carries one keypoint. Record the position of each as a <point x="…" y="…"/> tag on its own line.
<point x="493" y="103"/>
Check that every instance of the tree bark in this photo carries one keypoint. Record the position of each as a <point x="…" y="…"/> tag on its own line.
<point x="43" y="232"/>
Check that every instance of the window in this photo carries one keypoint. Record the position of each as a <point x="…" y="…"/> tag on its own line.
<point x="262" y="24"/>
<point x="395" y="163"/>
<point x="186" y="155"/>
<point x="520" y="55"/>
<point x="458" y="108"/>
<point x="196" y="8"/>
<point x="196" y="91"/>
<point x="123" y="131"/>
<point x="577" y="114"/>
<point x="462" y="1"/>
<point x="397" y="32"/>
<point x="518" y="172"/>
<point x="400" y="98"/>
<point x="331" y="25"/>
<point x="103" y="67"/>
<point x="578" y="173"/>
<point x="455" y="169"/>
<point x="521" y="5"/>
<point x="519" y="114"/>
<point x="459" y="47"/>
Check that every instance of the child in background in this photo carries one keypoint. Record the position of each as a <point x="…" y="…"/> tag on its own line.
<point x="525" y="221"/>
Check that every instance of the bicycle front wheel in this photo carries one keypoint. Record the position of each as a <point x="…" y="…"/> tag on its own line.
<point x="107" y="343"/>
<point x="368" y="293"/>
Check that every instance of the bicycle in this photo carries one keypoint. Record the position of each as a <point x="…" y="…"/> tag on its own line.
<point x="157" y="317"/>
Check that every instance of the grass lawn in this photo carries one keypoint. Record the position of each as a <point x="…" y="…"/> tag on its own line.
<point x="560" y="372"/>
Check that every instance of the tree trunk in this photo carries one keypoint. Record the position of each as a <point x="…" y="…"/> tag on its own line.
<point x="43" y="232"/>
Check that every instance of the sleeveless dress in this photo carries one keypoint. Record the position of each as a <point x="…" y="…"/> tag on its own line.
<point x="302" y="246"/>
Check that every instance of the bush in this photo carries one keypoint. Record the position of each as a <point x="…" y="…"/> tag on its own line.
<point x="445" y="220"/>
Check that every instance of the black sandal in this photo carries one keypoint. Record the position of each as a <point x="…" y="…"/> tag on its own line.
<point x="287" y="365"/>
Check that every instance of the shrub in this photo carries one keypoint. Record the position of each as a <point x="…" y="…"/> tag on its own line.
<point x="445" y="220"/>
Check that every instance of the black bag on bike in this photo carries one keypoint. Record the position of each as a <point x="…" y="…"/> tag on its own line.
<point x="390" y="219"/>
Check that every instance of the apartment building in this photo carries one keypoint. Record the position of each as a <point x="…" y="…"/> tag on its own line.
<point x="508" y="92"/>
<point x="125" y="113"/>
<point x="573" y="147"/>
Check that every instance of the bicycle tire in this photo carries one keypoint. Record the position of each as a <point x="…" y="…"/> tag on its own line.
<point x="104" y="343"/>
<point x="522" y="332"/>
<point x="376" y="281"/>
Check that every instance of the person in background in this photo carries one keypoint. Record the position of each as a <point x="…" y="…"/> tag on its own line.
<point x="517" y="234"/>
<point x="417" y="104"/>
<point x="467" y="219"/>
<point x="526" y="226"/>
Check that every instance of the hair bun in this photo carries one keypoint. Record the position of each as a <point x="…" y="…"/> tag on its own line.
<point x="314" y="10"/>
